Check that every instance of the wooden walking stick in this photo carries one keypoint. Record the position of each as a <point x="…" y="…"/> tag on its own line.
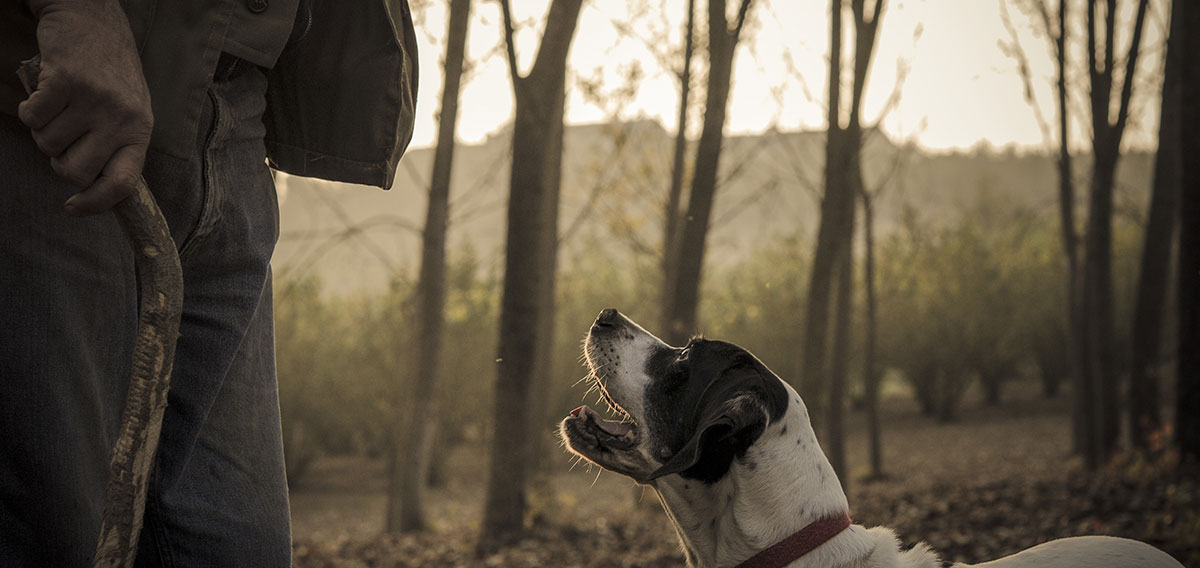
<point x="160" y="298"/>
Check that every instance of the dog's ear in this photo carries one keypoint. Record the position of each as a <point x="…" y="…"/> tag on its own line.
<point x="733" y="411"/>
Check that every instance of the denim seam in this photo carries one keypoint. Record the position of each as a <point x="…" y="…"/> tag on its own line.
<point x="208" y="208"/>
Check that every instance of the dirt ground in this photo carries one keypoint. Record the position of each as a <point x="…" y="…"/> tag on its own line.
<point x="996" y="481"/>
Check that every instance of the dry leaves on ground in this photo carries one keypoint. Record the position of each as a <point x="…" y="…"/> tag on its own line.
<point x="966" y="522"/>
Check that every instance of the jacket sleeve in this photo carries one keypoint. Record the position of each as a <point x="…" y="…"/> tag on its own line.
<point x="340" y="104"/>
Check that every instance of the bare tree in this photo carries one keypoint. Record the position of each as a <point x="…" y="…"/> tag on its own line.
<point x="529" y="262"/>
<point x="1145" y="380"/>
<point x="1056" y="33"/>
<point x="1097" y="313"/>
<point x="871" y="369"/>
<point x="671" y="236"/>
<point x="412" y="444"/>
<point x="843" y="184"/>
<point x="1066" y="208"/>
<point x="1187" y="420"/>
<point x="684" y="292"/>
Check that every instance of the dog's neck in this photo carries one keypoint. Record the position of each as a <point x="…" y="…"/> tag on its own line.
<point x="781" y="485"/>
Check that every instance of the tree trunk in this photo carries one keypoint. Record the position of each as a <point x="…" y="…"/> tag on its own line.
<point x="1098" y="308"/>
<point x="842" y="176"/>
<point x="814" y="370"/>
<point x="1187" y="419"/>
<point x="992" y="387"/>
<point x="872" y="373"/>
<point x="532" y="209"/>
<point x="1098" y="375"/>
<point x="947" y="396"/>
<point x="685" y="295"/>
<point x="1080" y="413"/>
<point x="1144" y="415"/>
<point x="927" y="392"/>
<point x="544" y="360"/>
<point x="411" y="458"/>
<point x="671" y="236"/>
<point x="1050" y="355"/>
<point x="835" y="431"/>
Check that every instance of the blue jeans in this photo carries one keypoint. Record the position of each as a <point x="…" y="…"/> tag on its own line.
<point x="218" y="494"/>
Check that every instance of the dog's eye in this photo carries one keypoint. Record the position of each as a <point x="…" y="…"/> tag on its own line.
<point x="683" y="354"/>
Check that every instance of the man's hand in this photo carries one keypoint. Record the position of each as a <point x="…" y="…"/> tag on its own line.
<point x="91" y="111"/>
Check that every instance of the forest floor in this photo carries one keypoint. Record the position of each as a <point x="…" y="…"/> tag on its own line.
<point x="996" y="481"/>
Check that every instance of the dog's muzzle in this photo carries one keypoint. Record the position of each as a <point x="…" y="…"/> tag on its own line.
<point x="608" y="443"/>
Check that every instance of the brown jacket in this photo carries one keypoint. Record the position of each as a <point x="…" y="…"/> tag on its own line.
<point x="340" y="103"/>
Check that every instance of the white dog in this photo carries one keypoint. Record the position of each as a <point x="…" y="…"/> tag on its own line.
<point x="729" y="449"/>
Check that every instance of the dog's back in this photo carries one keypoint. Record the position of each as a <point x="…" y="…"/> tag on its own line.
<point x="1087" y="552"/>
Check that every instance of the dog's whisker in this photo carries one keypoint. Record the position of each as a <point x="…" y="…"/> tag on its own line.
<point x="587" y="393"/>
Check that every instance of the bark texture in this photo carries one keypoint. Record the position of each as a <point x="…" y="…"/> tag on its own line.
<point x="1145" y="374"/>
<point x="685" y="290"/>
<point x="825" y="369"/>
<point x="529" y="271"/>
<point x="671" y="236"/>
<point x="1099" y="379"/>
<point x="1070" y="238"/>
<point x="874" y="432"/>
<point x="411" y="459"/>
<point x="160" y="292"/>
<point x="1187" y="419"/>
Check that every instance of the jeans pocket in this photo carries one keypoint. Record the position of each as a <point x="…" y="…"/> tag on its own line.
<point x="178" y="185"/>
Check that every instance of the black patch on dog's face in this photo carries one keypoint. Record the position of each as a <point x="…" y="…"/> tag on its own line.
<point x="706" y="404"/>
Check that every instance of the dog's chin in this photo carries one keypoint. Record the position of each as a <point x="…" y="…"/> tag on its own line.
<point x="612" y="445"/>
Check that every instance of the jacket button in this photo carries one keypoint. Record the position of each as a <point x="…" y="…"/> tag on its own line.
<point x="256" y="6"/>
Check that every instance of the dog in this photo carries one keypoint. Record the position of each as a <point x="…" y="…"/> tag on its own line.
<point x="729" y="448"/>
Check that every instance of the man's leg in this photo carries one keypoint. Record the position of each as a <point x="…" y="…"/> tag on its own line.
<point x="67" y="319"/>
<point x="218" y="495"/>
<point x="68" y="314"/>
<point x="67" y="303"/>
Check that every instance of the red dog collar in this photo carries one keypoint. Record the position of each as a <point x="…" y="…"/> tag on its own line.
<point x="802" y="542"/>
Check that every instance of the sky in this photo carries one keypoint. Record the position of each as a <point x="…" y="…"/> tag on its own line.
<point x="961" y="89"/>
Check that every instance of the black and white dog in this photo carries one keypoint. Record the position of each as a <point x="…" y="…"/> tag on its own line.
<point x="729" y="449"/>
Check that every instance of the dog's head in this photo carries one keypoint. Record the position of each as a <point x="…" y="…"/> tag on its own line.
<point x="687" y="410"/>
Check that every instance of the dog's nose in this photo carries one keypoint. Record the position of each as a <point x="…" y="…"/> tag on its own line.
<point x="608" y="319"/>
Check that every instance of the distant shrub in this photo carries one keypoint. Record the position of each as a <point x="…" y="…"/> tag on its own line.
<point x="978" y="299"/>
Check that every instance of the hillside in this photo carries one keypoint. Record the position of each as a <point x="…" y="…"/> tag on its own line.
<point x="356" y="239"/>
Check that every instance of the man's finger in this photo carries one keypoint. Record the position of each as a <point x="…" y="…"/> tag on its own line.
<point x="82" y="162"/>
<point x="116" y="182"/>
<point x="59" y="134"/>
<point x="42" y="106"/>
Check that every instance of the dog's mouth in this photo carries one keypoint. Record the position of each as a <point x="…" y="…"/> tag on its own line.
<point x="599" y="440"/>
<point x="591" y="435"/>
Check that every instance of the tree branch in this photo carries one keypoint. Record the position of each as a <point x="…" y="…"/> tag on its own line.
<point x="1015" y="50"/>
<point x="864" y="48"/>
<point x="899" y="160"/>
<point x="509" y="41"/>
<point x="835" y="68"/>
<point x="893" y="100"/>
<point x="741" y="20"/>
<point x="1110" y="38"/>
<point x="1044" y="14"/>
<point x="561" y="21"/>
<point x="1099" y="96"/>
<point x="1130" y="69"/>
